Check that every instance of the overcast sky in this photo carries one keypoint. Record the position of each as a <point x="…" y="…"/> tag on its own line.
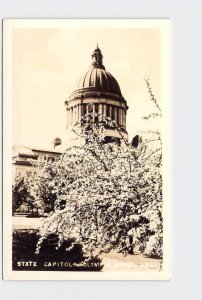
<point x="47" y="65"/>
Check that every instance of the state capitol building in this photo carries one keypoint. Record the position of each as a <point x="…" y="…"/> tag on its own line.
<point x="97" y="87"/>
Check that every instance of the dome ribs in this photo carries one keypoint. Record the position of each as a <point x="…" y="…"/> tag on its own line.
<point x="84" y="79"/>
<point x="89" y="80"/>
<point x="97" y="81"/>
<point x="115" y="85"/>
<point x="100" y="77"/>
<point x="105" y="85"/>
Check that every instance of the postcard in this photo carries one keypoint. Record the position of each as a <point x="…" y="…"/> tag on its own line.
<point x="87" y="190"/>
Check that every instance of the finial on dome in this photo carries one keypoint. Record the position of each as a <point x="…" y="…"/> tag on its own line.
<point x="97" y="58"/>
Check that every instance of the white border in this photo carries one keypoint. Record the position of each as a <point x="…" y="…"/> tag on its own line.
<point x="9" y="25"/>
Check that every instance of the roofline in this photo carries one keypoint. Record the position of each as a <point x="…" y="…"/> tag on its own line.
<point x="46" y="151"/>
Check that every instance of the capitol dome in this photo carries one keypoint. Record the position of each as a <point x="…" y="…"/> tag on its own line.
<point x="97" y="79"/>
<point x="98" y="87"/>
<point x="100" y="80"/>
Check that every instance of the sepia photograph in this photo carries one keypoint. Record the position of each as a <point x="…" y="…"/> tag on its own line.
<point x="87" y="179"/>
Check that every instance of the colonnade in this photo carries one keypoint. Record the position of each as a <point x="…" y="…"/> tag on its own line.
<point x="118" y="114"/>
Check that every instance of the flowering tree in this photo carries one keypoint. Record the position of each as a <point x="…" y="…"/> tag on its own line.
<point x="103" y="191"/>
<point x="152" y="141"/>
<point x="19" y="192"/>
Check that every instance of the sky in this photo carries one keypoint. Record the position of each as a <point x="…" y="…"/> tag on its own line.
<point x="48" y="62"/>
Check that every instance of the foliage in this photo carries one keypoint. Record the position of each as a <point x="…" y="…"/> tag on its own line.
<point x="154" y="100"/>
<point x="20" y="192"/>
<point x="40" y="183"/>
<point x="103" y="191"/>
<point x="154" y="245"/>
<point x="100" y="193"/>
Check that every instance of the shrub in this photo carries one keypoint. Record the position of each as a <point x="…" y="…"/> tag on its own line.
<point x="154" y="246"/>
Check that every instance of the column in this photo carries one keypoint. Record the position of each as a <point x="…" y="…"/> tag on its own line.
<point x="104" y="109"/>
<point x="71" y="112"/>
<point x="79" y="112"/>
<point x="120" y="119"/>
<point x="72" y="115"/>
<point x="76" y="113"/>
<point x="115" y="114"/>
<point x="75" y="116"/>
<point x="93" y="112"/>
<point x="123" y="113"/>
<point x="87" y="108"/>
<point x="110" y="111"/>
<point x="100" y="112"/>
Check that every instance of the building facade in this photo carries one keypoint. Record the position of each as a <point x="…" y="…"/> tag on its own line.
<point x="22" y="156"/>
